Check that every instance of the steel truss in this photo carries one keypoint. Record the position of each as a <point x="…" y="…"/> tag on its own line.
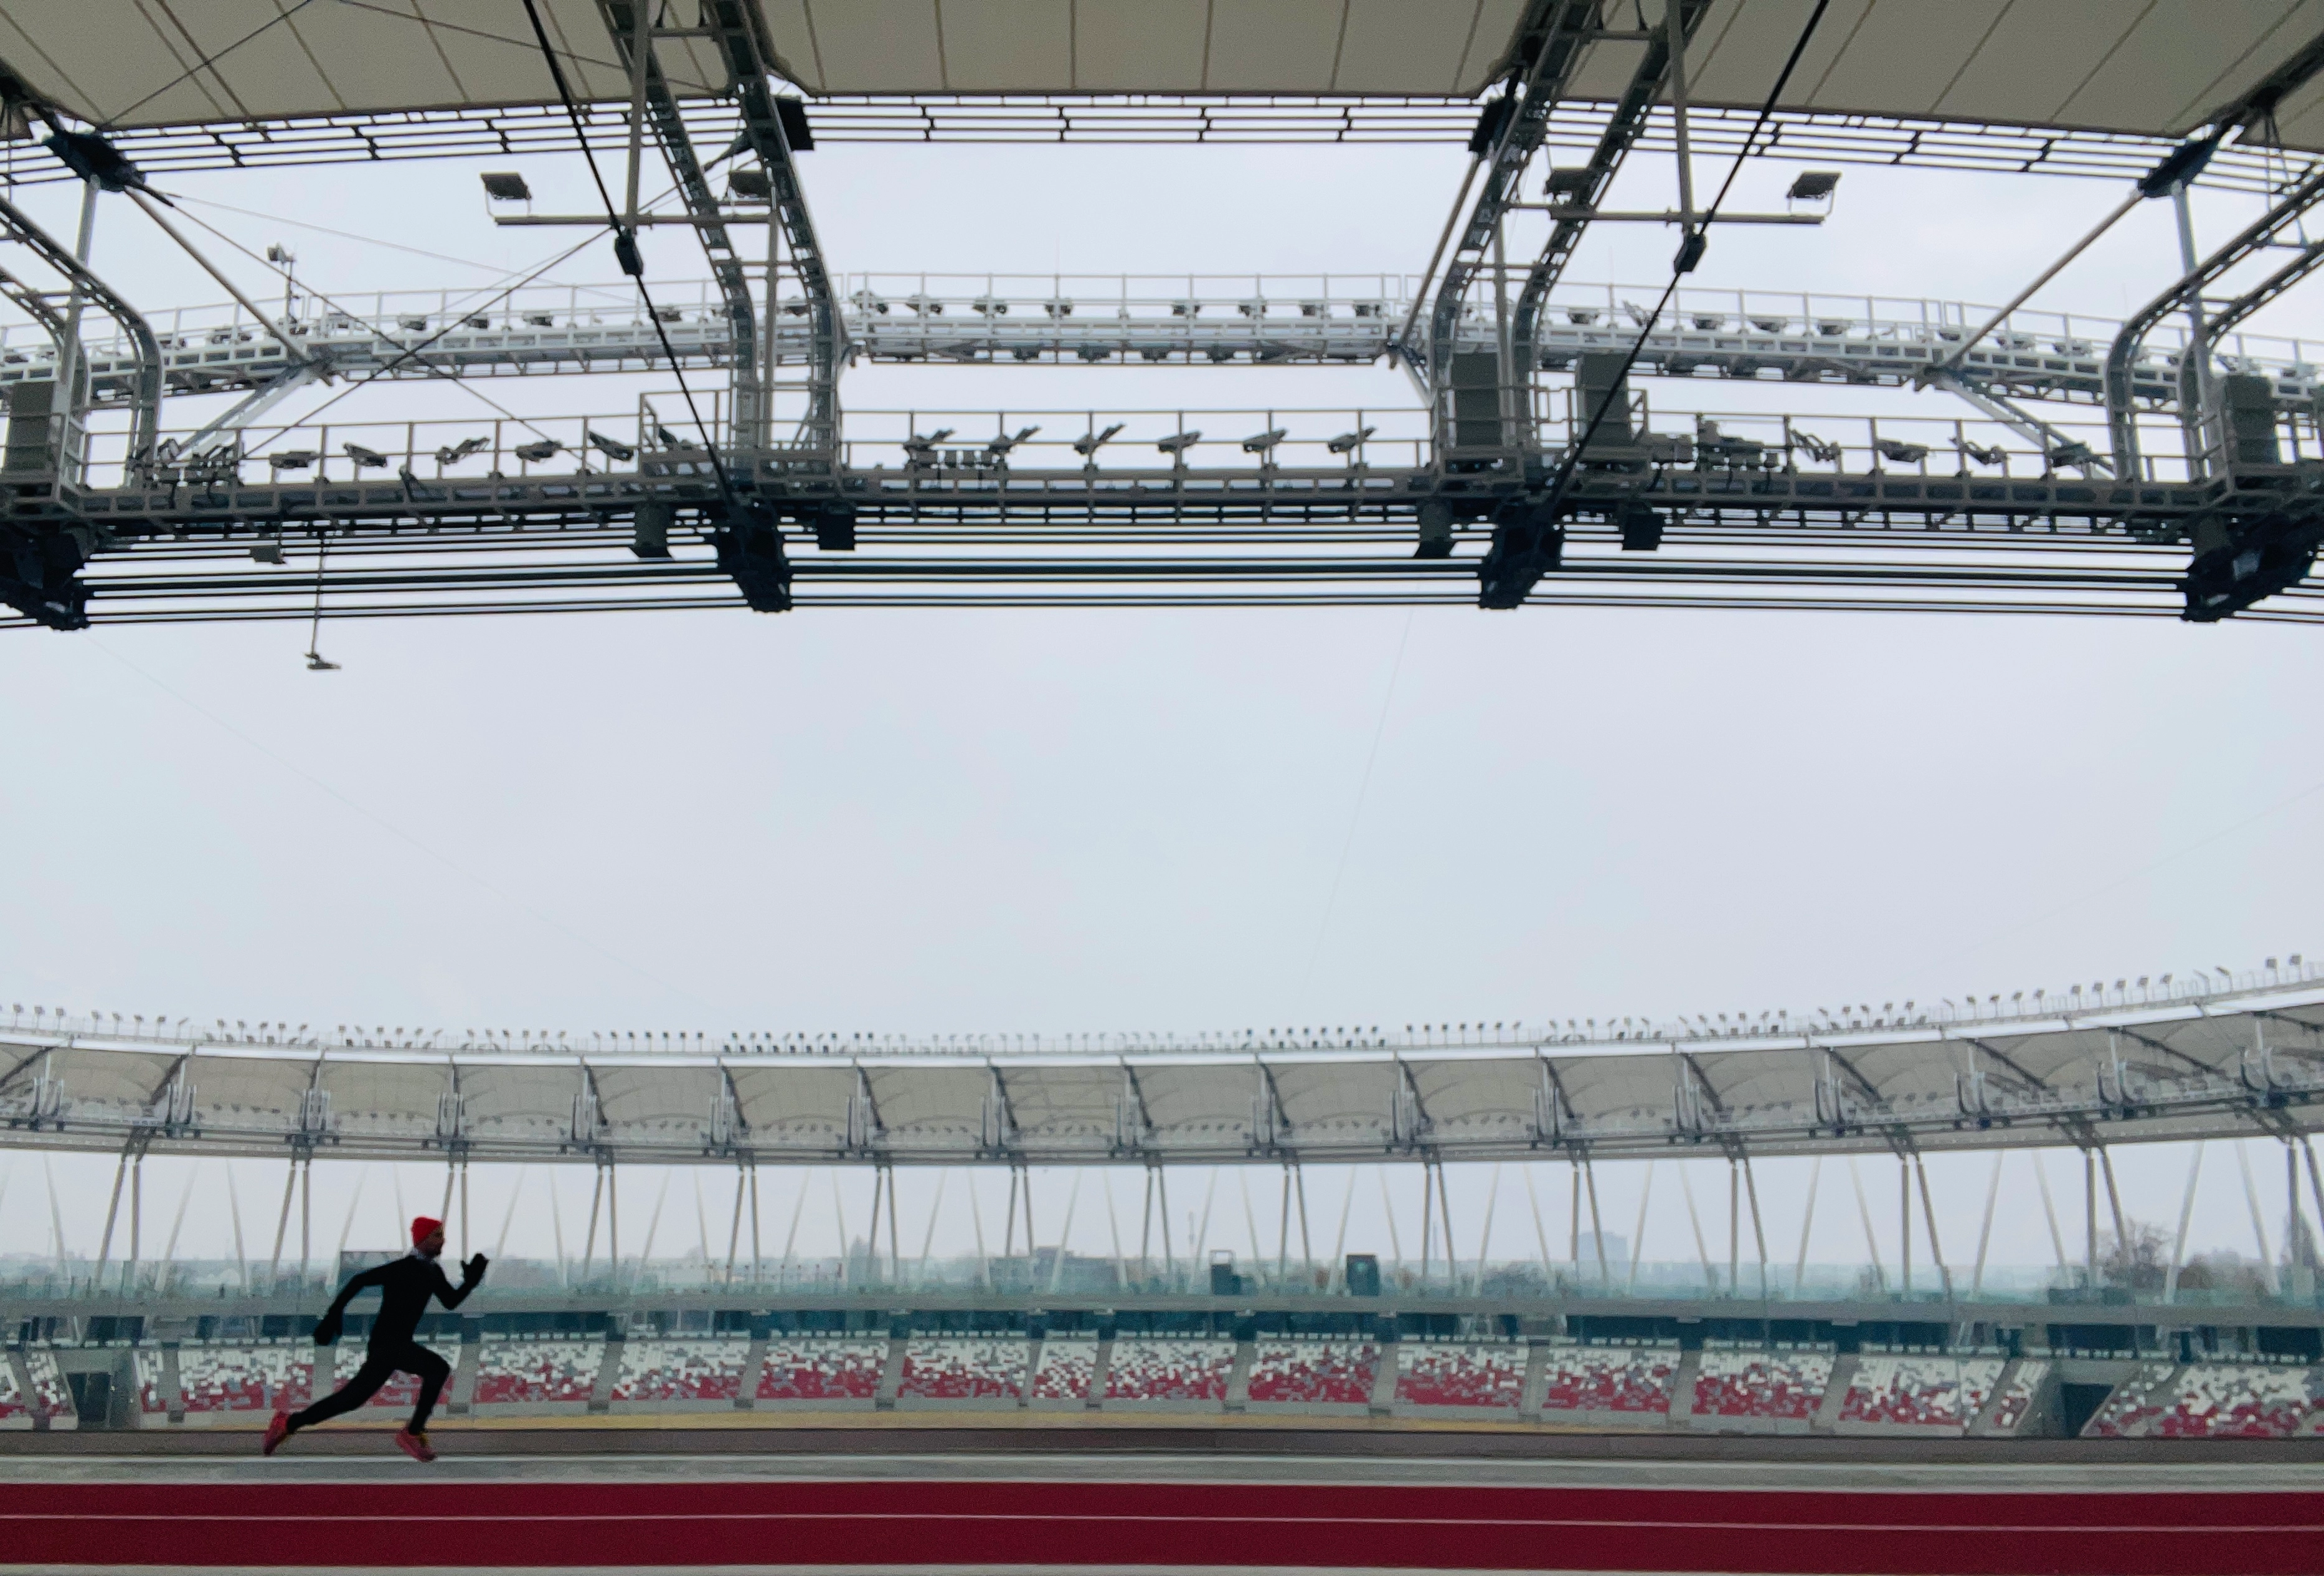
<point x="1754" y="538"/>
<point x="1183" y="119"/>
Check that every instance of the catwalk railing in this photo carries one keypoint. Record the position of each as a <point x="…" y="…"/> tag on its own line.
<point x="1197" y="319"/>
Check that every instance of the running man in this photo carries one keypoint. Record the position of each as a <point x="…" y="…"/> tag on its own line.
<point x="405" y="1285"/>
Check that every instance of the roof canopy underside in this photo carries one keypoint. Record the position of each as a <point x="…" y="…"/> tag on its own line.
<point x="2188" y="1073"/>
<point x="2158" y="68"/>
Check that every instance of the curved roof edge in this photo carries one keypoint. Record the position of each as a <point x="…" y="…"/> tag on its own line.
<point x="2237" y="1063"/>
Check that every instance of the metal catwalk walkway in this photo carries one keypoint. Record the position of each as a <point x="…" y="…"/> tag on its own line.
<point x="1784" y="335"/>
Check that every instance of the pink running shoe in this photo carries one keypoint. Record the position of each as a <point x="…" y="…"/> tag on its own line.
<point x="278" y="1429"/>
<point x="414" y="1445"/>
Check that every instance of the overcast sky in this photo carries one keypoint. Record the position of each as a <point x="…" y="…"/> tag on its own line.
<point x="1063" y="821"/>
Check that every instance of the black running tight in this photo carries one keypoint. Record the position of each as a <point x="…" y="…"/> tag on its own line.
<point x="380" y="1366"/>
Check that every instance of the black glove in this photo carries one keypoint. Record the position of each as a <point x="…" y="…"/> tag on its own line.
<point x="473" y="1271"/>
<point x="326" y="1330"/>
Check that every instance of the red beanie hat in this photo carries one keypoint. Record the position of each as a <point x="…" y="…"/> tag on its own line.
<point x="422" y="1227"/>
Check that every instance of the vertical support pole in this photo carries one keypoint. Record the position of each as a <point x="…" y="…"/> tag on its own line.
<point x="1485" y="1231"/>
<point x="1638" y="1237"/>
<point x="2195" y="401"/>
<point x="2049" y="1209"/>
<point x="306" y="1215"/>
<point x="596" y="1200"/>
<point x="1694" y="1223"/>
<point x="735" y="1229"/>
<point x="976" y="1227"/>
<point x="282" y="1223"/>
<point x="1904" y="1223"/>
<point x="2090" y="1218"/>
<point x="1597" y="1227"/>
<point x="1008" y="1234"/>
<point x="640" y="65"/>
<point x="2315" y="1179"/>
<point x="1574" y="1234"/>
<point x="1073" y="1198"/>
<point x="233" y="1209"/>
<point x="1283" y="1234"/>
<point x="1145" y="1224"/>
<point x="1985" y="1229"/>
<point x="112" y="1212"/>
<point x="2114" y="1202"/>
<point x="1162" y="1202"/>
<point x="1307" y="1245"/>
<point x="1864" y="1214"/>
<point x="2259" y="1224"/>
<point x="1673" y="19"/>
<point x="1759" y="1227"/>
<point x="1734" y="1229"/>
<point x="895" y="1260"/>
<point x="928" y="1239"/>
<point x="758" y="1268"/>
<point x="1929" y="1218"/>
<point x="1339" y="1276"/>
<point x="1807" y="1224"/>
<point x="1427" y="1219"/>
<point x="799" y="1212"/>
<point x="557" y="1232"/>
<point x="1540" y="1232"/>
<point x="465" y="1248"/>
<point x="136" y="1224"/>
<point x="2186" y="1214"/>
<point x="72" y="375"/>
<point x="1444" y="1219"/>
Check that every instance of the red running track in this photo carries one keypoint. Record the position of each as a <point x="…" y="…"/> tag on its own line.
<point x="516" y="1525"/>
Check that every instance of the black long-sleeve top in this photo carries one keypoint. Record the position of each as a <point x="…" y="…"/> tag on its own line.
<point x="404" y="1285"/>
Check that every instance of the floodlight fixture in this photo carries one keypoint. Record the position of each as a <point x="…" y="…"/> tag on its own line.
<point x="1177" y="445"/>
<point x="1569" y="184"/>
<point x="1090" y="442"/>
<point x="751" y="185"/>
<point x="279" y="254"/>
<point x="1814" y="186"/>
<point x="1263" y="443"/>
<point x="1349" y="442"/>
<point x="505" y="186"/>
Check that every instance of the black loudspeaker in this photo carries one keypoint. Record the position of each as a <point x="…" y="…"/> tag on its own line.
<point x="1363" y="1275"/>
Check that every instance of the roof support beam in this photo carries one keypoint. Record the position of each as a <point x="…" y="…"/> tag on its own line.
<point x="1655" y="73"/>
<point x="2121" y="419"/>
<point x="750" y="59"/>
<point x="1503" y="153"/>
<point x="625" y="20"/>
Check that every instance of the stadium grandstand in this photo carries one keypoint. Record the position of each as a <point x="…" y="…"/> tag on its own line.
<point x="1522" y="1382"/>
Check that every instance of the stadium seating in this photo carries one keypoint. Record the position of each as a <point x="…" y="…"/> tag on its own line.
<point x="949" y="1370"/>
<point x="662" y="1372"/>
<point x="519" y="1371"/>
<point x="1473" y="1376"/>
<point x="823" y="1369"/>
<point x="1153" y="1370"/>
<point x="1067" y="1364"/>
<point x="235" y="1378"/>
<point x="1333" y="1373"/>
<point x="50" y="1398"/>
<point x="2216" y="1401"/>
<point x="1910" y="1393"/>
<point x="1780" y="1387"/>
<point x="1609" y="1378"/>
<point x="2126" y="1409"/>
<point x="2017" y="1396"/>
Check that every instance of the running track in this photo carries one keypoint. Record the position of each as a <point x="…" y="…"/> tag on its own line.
<point x="665" y="1512"/>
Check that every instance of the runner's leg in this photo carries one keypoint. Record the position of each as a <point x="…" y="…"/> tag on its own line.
<point x="377" y="1368"/>
<point x="433" y="1370"/>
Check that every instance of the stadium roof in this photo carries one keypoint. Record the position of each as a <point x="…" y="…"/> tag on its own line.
<point x="2236" y="1064"/>
<point x="2159" y="69"/>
